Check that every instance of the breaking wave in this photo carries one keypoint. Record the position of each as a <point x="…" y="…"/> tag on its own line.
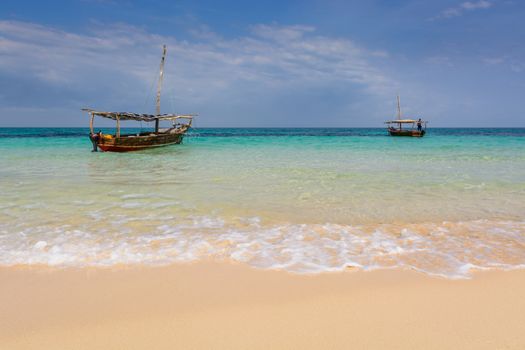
<point x="450" y="250"/>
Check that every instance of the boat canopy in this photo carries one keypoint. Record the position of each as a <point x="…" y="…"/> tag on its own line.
<point x="403" y="121"/>
<point x="137" y="117"/>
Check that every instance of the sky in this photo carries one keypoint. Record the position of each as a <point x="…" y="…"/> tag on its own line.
<point x="307" y="63"/>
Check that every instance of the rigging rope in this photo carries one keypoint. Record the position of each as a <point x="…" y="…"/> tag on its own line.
<point x="149" y="93"/>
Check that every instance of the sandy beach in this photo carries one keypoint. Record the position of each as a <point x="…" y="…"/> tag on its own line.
<point x="231" y="306"/>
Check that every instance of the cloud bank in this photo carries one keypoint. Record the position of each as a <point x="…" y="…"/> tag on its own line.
<point x="115" y="66"/>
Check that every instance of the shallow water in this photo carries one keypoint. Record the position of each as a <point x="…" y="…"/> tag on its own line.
<point x="303" y="200"/>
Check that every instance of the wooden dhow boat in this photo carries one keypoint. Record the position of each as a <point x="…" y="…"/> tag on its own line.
<point x="413" y="127"/>
<point x="119" y="142"/>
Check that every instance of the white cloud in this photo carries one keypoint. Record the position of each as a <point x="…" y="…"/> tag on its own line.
<point x="517" y="67"/>
<point x="279" y="33"/>
<point x="482" y="4"/>
<point x="440" y="60"/>
<point x="462" y="8"/>
<point x="493" y="60"/>
<point x="507" y="62"/>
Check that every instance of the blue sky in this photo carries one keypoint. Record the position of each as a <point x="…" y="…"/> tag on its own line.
<point x="267" y="63"/>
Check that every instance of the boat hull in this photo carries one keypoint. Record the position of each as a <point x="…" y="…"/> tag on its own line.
<point x="409" y="133"/>
<point x="131" y="143"/>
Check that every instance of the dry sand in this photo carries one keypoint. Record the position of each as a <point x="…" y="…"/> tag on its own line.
<point x="226" y="306"/>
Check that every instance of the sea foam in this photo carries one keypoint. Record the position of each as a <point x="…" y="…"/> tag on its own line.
<point x="451" y="250"/>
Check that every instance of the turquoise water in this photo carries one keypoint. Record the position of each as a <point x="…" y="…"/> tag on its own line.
<point x="303" y="200"/>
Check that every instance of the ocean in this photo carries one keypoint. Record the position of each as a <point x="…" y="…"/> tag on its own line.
<point x="300" y="200"/>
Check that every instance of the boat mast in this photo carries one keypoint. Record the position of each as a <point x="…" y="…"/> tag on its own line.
<point x="159" y="87"/>
<point x="398" y="108"/>
<point x="399" y="112"/>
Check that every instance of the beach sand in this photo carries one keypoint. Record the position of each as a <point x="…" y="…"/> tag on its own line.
<point x="214" y="305"/>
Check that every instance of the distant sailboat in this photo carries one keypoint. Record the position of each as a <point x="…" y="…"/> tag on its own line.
<point x="415" y="128"/>
<point x="144" y="140"/>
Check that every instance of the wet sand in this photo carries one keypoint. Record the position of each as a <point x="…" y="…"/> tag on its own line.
<point x="229" y="306"/>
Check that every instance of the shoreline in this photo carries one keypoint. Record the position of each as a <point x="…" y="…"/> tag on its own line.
<point x="232" y="306"/>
